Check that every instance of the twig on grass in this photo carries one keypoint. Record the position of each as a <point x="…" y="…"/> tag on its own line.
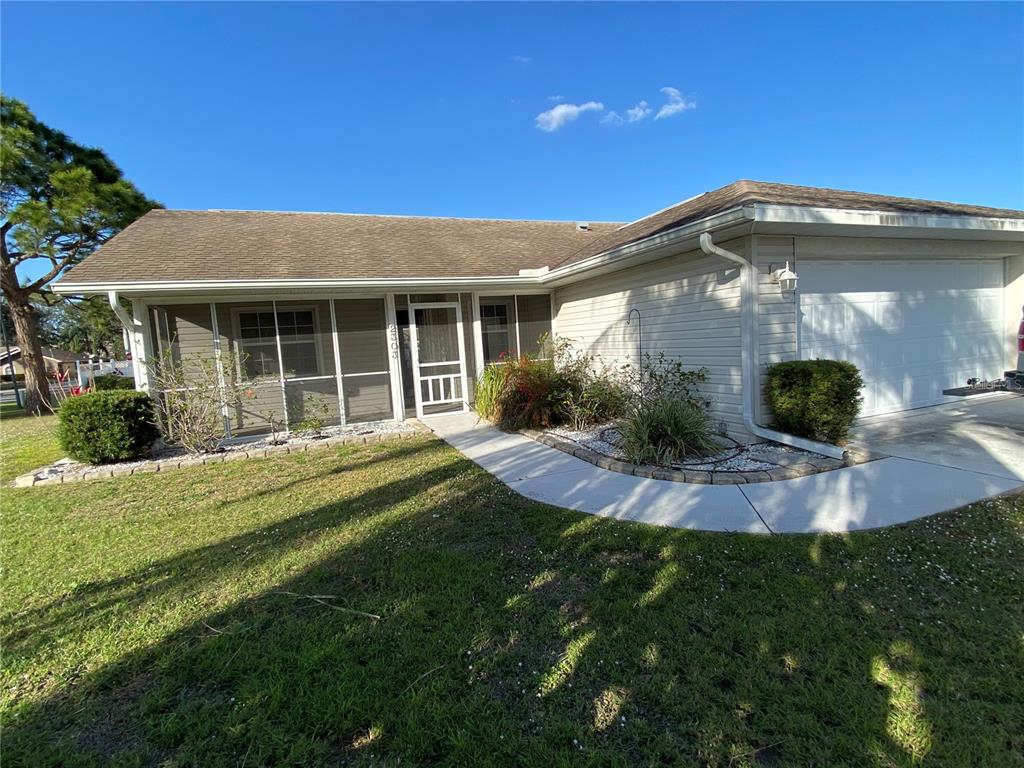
<point x="428" y="672"/>
<point x="753" y="752"/>
<point x="322" y="599"/>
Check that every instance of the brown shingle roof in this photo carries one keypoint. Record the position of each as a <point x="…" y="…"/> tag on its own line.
<point x="741" y="193"/>
<point x="256" y="245"/>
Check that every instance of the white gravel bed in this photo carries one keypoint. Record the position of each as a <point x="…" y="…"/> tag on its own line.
<point x="161" y="452"/>
<point x="734" y="456"/>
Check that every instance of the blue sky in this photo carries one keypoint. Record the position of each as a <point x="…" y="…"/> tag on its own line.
<point x="433" y="109"/>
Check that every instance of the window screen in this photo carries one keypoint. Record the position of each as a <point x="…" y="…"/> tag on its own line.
<point x="494" y="325"/>
<point x="258" y="345"/>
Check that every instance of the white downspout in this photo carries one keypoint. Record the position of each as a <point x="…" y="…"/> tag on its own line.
<point x="748" y="374"/>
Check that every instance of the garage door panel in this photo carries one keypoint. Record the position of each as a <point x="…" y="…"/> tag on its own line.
<point x="913" y="328"/>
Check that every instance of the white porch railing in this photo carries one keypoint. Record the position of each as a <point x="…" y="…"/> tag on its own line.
<point x="441" y="389"/>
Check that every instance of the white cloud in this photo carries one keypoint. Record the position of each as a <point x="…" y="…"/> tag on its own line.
<point x="638" y="113"/>
<point x="519" y="59"/>
<point x="676" y="103"/>
<point x="631" y="115"/>
<point x="553" y="119"/>
<point x="558" y="97"/>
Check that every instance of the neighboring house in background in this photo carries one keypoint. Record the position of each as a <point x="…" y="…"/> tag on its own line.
<point x="57" y="361"/>
<point x="389" y="316"/>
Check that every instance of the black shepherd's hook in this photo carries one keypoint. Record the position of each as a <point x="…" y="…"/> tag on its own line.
<point x="640" y="343"/>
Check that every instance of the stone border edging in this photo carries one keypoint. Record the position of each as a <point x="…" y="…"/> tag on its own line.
<point x="801" y="469"/>
<point x="104" y="472"/>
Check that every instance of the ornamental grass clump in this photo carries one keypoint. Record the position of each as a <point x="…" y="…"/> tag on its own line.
<point x="519" y="393"/>
<point x="560" y="386"/>
<point x="664" y="430"/>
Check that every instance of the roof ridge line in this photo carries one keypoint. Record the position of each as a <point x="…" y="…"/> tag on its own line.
<point x="384" y="215"/>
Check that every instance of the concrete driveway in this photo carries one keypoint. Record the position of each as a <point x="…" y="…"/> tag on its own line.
<point x="982" y="434"/>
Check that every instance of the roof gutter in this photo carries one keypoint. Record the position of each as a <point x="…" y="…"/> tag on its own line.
<point x="182" y="286"/>
<point x="636" y="248"/>
<point x="748" y="373"/>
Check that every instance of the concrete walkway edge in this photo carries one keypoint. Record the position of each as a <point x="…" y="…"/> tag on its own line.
<point x="879" y="493"/>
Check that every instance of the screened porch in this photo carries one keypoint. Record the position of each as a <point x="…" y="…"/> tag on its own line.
<point x="345" y="360"/>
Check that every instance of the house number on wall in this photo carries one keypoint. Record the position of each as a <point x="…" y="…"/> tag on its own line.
<point x="393" y="339"/>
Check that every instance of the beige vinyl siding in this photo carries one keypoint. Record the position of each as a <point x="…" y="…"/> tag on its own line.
<point x="363" y="348"/>
<point x="690" y="309"/>
<point x="776" y="312"/>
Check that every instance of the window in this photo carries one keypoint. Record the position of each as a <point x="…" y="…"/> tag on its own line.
<point x="258" y="345"/>
<point x="495" y="328"/>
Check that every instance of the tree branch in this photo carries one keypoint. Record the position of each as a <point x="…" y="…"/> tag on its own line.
<point x="35" y="285"/>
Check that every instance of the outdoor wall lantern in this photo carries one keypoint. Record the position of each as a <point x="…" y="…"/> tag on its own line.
<point x="786" y="278"/>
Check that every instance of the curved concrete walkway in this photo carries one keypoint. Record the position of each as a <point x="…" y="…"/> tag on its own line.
<point x="879" y="493"/>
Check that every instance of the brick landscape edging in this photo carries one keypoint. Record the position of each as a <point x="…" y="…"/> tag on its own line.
<point x="104" y="472"/>
<point x="810" y="467"/>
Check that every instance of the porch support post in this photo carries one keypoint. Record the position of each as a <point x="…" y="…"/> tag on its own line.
<point x="394" y="358"/>
<point x="515" y="305"/>
<point x="554" y="329"/>
<point x="337" y="365"/>
<point x="143" y="344"/>
<point x="478" y="335"/>
<point x="280" y="367"/>
<point x="219" y="362"/>
<point x="462" y="355"/>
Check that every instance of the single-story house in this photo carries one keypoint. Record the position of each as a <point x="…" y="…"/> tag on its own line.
<point x="394" y="316"/>
<point x="57" y="361"/>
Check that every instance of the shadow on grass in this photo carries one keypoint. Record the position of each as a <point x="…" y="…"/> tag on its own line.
<point x="515" y="633"/>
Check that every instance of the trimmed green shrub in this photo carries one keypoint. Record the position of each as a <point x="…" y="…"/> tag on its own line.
<point x="819" y="399"/>
<point x="103" y="427"/>
<point x="663" y="430"/>
<point x="109" y="381"/>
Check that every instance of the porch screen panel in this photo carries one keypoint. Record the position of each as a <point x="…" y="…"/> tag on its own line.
<point x="307" y="349"/>
<point x="363" y="346"/>
<point x="252" y="359"/>
<point x="469" y="352"/>
<point x="534" y="322"/>
<point x="183" y="337"/>
<point x="184" y="332"/>
<point x="498" y="327"/>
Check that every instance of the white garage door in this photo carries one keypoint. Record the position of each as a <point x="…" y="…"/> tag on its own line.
<point x="913" y="328"/>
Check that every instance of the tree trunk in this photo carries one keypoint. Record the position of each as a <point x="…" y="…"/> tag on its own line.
<point x="26" y="330"/>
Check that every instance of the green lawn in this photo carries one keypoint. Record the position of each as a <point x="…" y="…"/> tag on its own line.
<point x="27" y="443"/>
<point x="216" y="617"/>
